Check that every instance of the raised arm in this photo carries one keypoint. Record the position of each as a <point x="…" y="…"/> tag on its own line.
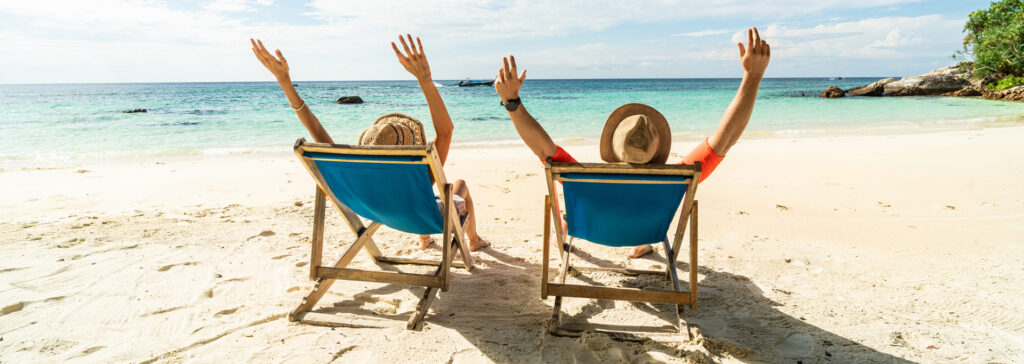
<point x="754" y="59"/>
<point x="507" y="85"/>
<point x="279" y="67"/>
<point x="415" y="62"/>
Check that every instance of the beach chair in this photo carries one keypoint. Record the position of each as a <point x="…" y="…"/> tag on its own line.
<point x="621" y="205"/>
<point x="388" y="185"/>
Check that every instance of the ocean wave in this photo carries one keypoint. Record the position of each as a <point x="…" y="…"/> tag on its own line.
<point x="181" y="123"/>
<point x="239" y="150"/>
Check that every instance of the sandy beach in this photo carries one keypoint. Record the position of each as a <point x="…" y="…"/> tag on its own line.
<point x="841" y="249"/>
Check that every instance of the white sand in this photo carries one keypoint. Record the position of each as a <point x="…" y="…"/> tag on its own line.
<point x="824" y="249"/>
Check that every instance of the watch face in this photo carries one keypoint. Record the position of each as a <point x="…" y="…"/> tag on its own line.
<point x="512" y="105"/>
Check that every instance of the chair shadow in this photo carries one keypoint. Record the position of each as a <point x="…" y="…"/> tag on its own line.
<point x="733" y="317"/>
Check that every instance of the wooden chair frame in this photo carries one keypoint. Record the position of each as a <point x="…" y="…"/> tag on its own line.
<point x="326" y="275"/>
<point x="687" y="213"/>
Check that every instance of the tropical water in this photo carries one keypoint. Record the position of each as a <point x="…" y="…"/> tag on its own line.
<point x="66" y="124"/>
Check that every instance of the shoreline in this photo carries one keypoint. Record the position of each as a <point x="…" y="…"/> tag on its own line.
<point x="898" y="128"/>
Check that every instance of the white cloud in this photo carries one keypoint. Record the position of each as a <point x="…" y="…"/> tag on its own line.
<point x="885" y="37"/>
<point x="153" y="40"/>
<point x="703" y="33"/>
<point x="235" y="5"/>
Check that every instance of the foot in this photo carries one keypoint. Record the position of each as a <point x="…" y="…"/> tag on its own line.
<point x="426" y="241"/>
<point x="478" y="244"/>
<point x="641" y="251"/>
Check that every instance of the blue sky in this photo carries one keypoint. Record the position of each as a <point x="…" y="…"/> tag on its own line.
<point x="46" y="41"/>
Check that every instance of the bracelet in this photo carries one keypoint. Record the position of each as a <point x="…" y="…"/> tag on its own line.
<point x="300" y="106"/>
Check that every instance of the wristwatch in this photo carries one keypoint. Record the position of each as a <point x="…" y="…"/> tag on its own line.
<point x="512" y="105"/>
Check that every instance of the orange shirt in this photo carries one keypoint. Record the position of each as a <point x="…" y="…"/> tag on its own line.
<point x="703" y="153"/>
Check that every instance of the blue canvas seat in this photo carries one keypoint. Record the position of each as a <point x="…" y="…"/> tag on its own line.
<point x="620" y="205"/>
<point x="387" y="185"/>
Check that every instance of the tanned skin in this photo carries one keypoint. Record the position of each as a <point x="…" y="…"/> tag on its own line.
<point x="414" y="61"/>
<point x="754" y="59"/>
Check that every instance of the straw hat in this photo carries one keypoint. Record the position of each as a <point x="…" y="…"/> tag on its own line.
<point x="393" y="129"/>
<point x="636" y="133"/>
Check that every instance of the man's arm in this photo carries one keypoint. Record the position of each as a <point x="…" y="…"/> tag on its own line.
<point x="754" y="59"/>
<point x="507" y="85"/>
<point x="415" y="62"/>
<point x="278" y="66"/>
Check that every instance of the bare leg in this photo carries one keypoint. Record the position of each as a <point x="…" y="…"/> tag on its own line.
<point x="426" y="241"/>
<point x="475" y="242"/>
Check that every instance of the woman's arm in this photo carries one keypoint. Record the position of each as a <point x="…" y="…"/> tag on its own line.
<point x="415" y="62"/>
<point x="278" y="66"/>
<point x="754" y="59"/>
<point x="507" y="84"/>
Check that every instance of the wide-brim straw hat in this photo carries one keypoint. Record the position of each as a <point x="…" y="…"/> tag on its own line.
<point x="393" y="129"/>
<point x="658" y="126"/>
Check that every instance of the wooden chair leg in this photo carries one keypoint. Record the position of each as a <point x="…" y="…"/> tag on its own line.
<point x="556" y="316"/>
<point x="416" y="321"/>
<point x="556" y="313"/>
<point x="323" y="284"/>
<point x="693" y="257"/>
<point x="319" y="209"/>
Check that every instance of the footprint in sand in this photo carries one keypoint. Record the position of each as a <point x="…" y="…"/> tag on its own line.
<point x="227" y="311"/>
<point x="263" y="233"/>
<point x="169" y="266"/>
<point x="12" y="308"/>
<point x="301" y="264"/>
<point x="281" y="256"/>
<point x="293" y="289"/>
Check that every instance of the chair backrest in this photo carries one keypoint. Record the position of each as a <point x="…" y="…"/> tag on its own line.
<point x="387" y="184"/>
<point x="621" y="204"/>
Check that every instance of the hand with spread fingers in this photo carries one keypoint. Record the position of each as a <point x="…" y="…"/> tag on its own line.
<point x="276" y="65"/>
<point x="507" y="84"/>
<point x="413" y="59"/>
<point x="755" y="56"/>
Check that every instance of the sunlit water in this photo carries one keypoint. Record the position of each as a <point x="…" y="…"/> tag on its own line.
<point x="52" y="125"/>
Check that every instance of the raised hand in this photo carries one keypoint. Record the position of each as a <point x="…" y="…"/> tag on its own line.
<point x="755" y="56"/>
<point x="413" y="59"/>
<point x="507" y="84"/>
<point x="277" y="65"/>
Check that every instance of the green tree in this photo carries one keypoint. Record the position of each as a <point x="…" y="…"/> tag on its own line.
<point x="995" y="37"/>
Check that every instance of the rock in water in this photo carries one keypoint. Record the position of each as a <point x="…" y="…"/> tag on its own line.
<point x="937" y="82"/>
<point x="350" y="100"/>
<point x="876" y="88"/>
<point x="132" y="111"/>
<point x="833" y="92"/>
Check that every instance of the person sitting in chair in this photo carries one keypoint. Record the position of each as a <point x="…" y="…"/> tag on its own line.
<point x="390" y="129"/>
<point x="636" y="133"/>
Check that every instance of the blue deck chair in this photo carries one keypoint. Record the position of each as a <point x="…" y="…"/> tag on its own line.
<point x="621" y="205"/>
<point x="388" y="185"/>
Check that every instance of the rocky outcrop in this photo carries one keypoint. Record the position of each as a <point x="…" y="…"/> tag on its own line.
<point x="967" y="91"/>
<point x="937" y="82"/>
<point x="132" y="111"/>
<point x="876" y="88"/>
<point x="832" y="92"/>
<point x="948" y="81"/>
<point x="350" y="100"/>
<point x="1010" y="94"/>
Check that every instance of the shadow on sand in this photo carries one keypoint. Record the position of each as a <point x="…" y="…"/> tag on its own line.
<point x="733" y="319"/>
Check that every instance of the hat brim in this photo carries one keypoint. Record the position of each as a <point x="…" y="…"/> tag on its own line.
<point x="653" y="116"/>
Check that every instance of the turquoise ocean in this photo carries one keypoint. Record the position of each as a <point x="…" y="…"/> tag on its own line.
<point x="53" y="125"/>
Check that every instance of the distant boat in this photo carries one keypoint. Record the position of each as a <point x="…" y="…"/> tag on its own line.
<point x="470" y="83"/>
<point x="835" y="78"/>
